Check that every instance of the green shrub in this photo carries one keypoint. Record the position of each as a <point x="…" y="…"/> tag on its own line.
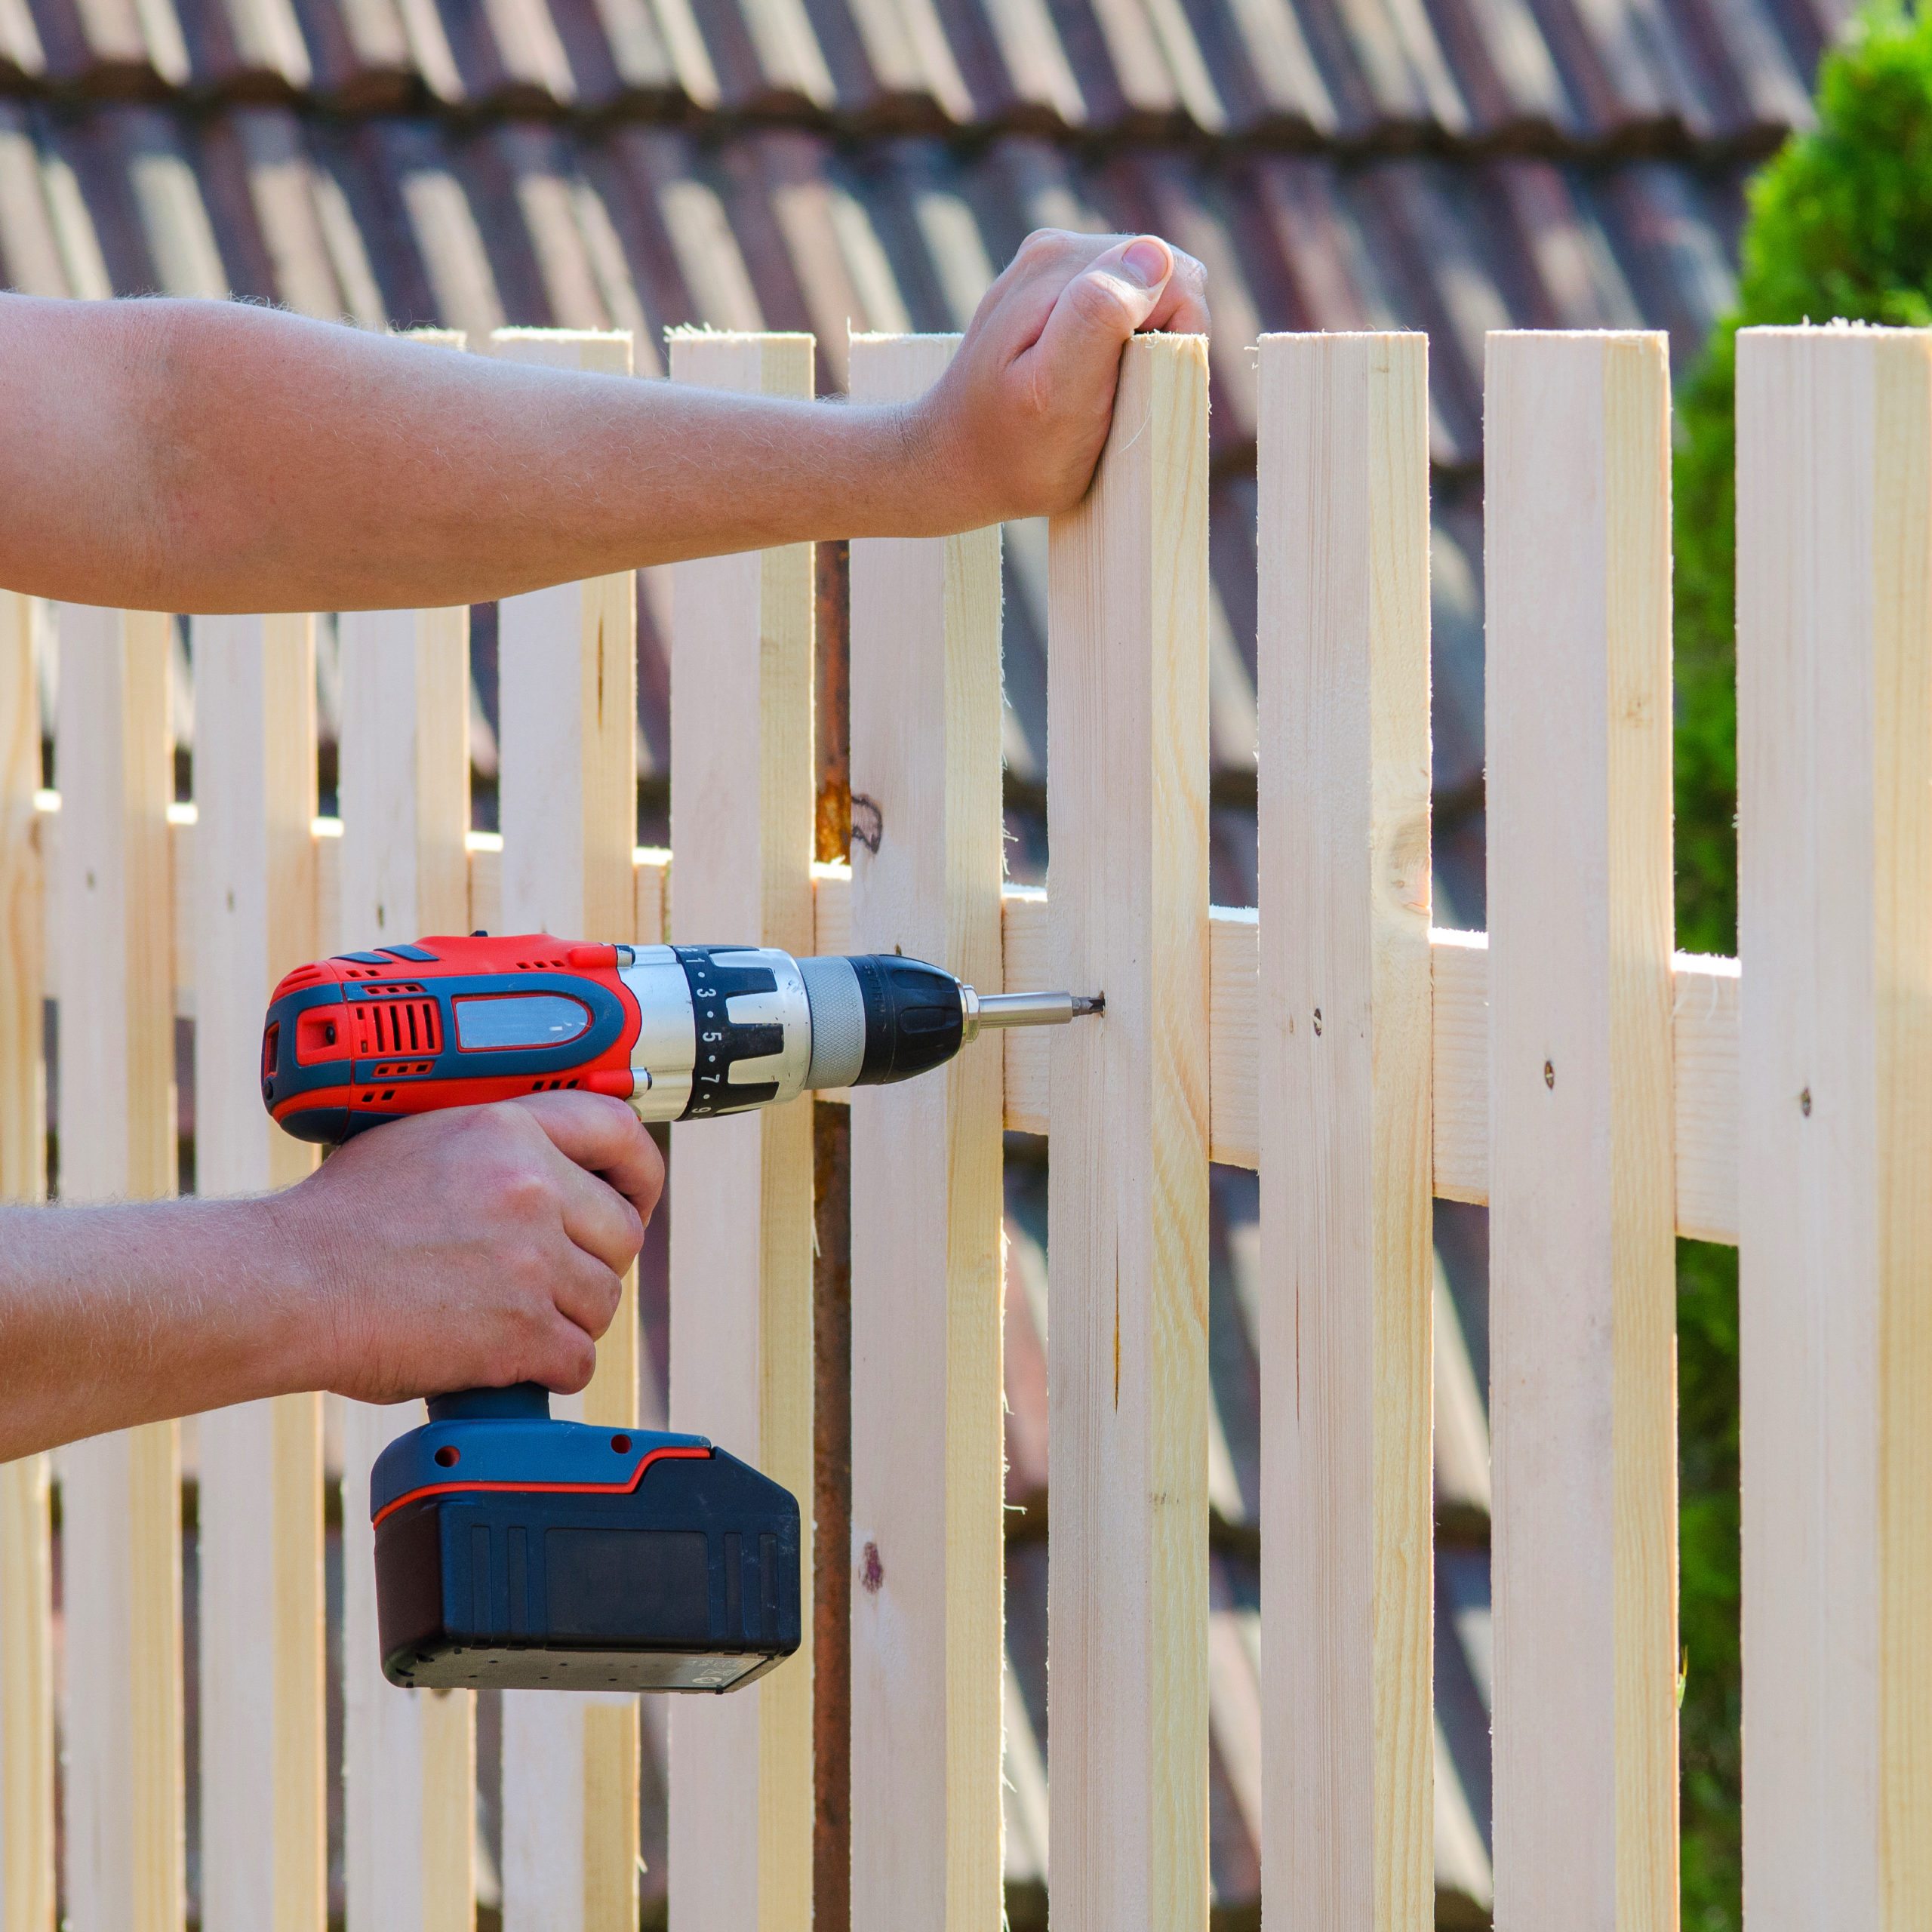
<point x="1840" y="225"/>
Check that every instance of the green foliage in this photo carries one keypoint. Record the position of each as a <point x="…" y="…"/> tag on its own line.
<point x="1840" y="225"/>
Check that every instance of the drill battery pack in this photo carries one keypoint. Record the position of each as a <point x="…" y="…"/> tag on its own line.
<point x="517" y="1553"/>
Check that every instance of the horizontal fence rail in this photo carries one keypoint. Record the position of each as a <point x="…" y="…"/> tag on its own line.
<point x="1599" y="1093"/>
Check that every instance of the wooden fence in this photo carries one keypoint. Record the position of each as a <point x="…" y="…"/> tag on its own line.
<point x="1598" y="1093"/>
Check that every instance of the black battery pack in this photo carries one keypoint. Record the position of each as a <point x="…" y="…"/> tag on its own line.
<point x="667" y="1565"/>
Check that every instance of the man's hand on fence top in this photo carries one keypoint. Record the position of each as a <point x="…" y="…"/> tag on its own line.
<point x="473" y="1248"/>
<point x="1016" y="424"/>
<point x="167" y="455"/>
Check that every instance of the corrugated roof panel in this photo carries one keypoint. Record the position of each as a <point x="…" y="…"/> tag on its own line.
<point x="255" y="174"/>
<point x="1754" y="76"/>
<point x="1564" y="275"/>
<point x="30" y="259"/>
<point x="509" y="57"/>
<point x="449" y="243"/>
<point x="616" y="53"/>
<point x="112" y="46"/>
<point x="892" y="63"/>
<point x="1505" y="67"/>
<point x="22" y="56"/>
<point x="624" y="182"/>
<point x="766" y="56"/>
<point x="1305" y="245"/>
<point x="247" y="50"/>
<point x="711" y="265"/>
<point x="1010" y="55"/>
<point x="1124" y="76"/>
<point x="359" y="167"/>
<point x="1264" y="70"/>
<point x="359" y="54"/>
<point x="430" y="49"/>
<point x="542" y="181"/>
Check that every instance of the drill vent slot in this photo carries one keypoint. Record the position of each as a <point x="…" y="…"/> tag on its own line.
<point x="396" y="1026"/>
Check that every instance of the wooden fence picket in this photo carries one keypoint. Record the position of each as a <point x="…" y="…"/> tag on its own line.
<point x="409" y="1757"/>
<point x="1343" y="1071"/>
<point x="1582" y="1294"/>
<point x="1127" y="904"/>
<point x="927" y="1449"/>
<point x="567" y="671"/>
<point x="26" y="1563"/>
<point x="1835" y="933"/>
<point x="263" y="1809"/>
<point x="742" y="808"/>
<point x="121" y="1494"/>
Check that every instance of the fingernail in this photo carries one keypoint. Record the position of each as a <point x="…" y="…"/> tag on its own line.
<point x="1146" y="262"/>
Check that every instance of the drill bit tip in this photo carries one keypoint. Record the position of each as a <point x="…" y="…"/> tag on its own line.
<point x="1086" y="1003"/>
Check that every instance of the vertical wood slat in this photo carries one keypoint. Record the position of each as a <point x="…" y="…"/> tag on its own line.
<point x="1127" y="1205"/>
<point x="409" y="1756"/>
<point x="120" y="1535"/>
<point x="567" y="668"/>
<point x="263" y="1829"/>
<point x="1582" y="1264"/>
<point x="1835" y="931"/>
<point x="27" y="1652"/>
<point x="926" y="1502"/>
<point x="742" y="827"/>
<point x="1343" y="1071"/>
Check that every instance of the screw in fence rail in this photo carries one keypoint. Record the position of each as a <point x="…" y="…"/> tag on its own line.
<point x="742" y="806"/>
<point x="1127" y="907"/>
<point x="1343" y="1070"/>
<point x="1581" y="1270"/>
<point x="566" y="667"/>
<point x="1835" y="1218"/>
<point x="121" y="1494"/>
<point x="927" y="1460"/>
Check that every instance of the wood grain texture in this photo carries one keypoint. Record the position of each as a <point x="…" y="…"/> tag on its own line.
<point x="121" y="1543"/>
<point x="1704" y="1040"/>
<point x="1459" y="1090"/>
<point x="26" y="1641"/>
<point x="1834" y="844"/>
<point x="567" y="659"/>
<point x="1583" y="1267"/>
<point x="1127" y="1207"/>
<point x="742" y="804"/>
<point x="263" y="1825"/>
<point x="409" y="1756"/>
<point x="1343" y="1068"/>
<point x="927" y="1530"/>
<point x="1026" y="961"/>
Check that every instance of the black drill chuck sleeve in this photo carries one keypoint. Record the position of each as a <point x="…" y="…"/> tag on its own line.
<point x="915" y="1018"/>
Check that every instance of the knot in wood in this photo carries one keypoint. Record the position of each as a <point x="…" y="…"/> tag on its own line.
<point x="871" y="1575"/>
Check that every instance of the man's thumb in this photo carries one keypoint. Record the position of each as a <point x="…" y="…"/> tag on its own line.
<point x="1103" y="305"/>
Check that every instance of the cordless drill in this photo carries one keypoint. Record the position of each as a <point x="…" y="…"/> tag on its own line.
<point x="513" y="1550"/>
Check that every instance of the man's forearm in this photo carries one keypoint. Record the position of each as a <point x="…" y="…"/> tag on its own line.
<point x="113" y="1316"/>
<point x="238" y="459"/>
<point x="205" y="457"/>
